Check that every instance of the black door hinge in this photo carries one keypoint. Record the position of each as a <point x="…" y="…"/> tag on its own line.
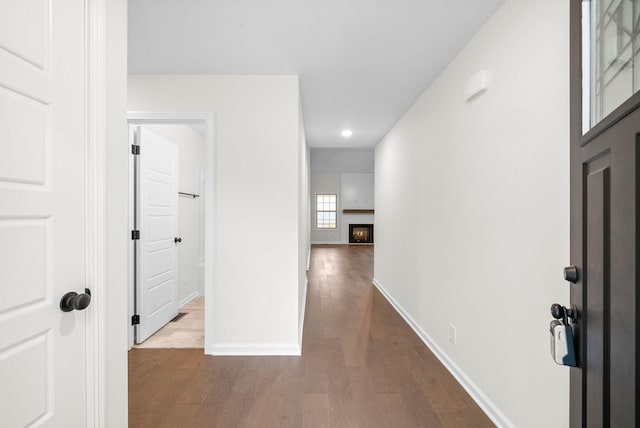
<point x="135" y="320"/>
<point x="135" y="149"/>
<point x="135" y="235"/>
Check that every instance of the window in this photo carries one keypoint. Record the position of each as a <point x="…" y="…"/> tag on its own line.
<point x="611" y="58"/>
<point x="326" y="211"/>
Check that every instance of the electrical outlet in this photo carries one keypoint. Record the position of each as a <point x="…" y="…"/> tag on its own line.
<point x="452" y="334"/>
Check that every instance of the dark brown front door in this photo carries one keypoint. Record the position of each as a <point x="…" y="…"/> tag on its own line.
<point x="605" y="136"/>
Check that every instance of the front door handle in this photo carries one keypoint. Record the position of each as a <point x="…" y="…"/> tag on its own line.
<point x="73" y="300"/>
<point x="561" y="313"/>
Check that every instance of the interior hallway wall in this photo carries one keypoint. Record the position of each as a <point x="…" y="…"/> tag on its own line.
<point x="485" y="183"/>
<point x="256" y="272"/>
<point x="304" y="243"/>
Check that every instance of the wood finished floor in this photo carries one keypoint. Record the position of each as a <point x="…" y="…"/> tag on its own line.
<point x="361" y="366"/>
<point x="185" y="332"/>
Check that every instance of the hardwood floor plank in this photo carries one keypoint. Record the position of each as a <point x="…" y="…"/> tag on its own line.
<point x="315" y="412"/>
<point x="361" y="366"/>
<point x="395" y="410"/>
<point x="463" y="418"/>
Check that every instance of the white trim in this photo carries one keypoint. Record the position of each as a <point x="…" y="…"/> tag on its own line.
<point x="308" y="261"/>
<point x="258" y="349"/>
<point x="487" y="406"/>
<point x="95" y="174"/>
<point x="301" y="315"/>
<point x="179" y="117"/>
<point x="337" y="211"/>
<point x="187" y="299"/>
<point x="131" y="244"/>
<point x="328" y="243"/>
<point x="187" y="118"/>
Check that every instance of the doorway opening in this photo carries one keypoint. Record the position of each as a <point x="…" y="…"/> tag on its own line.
<point x="170" y="259"/>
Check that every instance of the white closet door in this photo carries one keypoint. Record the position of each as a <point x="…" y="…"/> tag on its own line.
<point x="157" y="264"/>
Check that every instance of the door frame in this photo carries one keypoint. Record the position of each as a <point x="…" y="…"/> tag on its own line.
<point x="105" y="106"/>
<point x="139" y="118"/>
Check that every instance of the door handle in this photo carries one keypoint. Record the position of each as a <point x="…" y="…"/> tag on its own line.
<point x="73" y="300"/>
<point x="560" y="312"/>
<point x="177" y="240"/>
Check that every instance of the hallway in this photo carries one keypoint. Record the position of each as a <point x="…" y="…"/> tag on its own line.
<point x="361" y="366"/>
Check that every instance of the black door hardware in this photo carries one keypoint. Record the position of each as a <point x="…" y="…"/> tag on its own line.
<point x="571" y="274"/>
<point x="561" y="313"/>
<point x="73" y="300"/>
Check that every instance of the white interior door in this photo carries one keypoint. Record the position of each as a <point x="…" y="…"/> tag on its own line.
<point x="42" y="213"/>
<point x="157" y="213"/>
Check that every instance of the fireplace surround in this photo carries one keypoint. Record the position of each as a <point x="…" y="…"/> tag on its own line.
<point x="361" y="233"/>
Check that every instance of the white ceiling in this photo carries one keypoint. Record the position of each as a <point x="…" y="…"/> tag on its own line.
<point x="362" y="63"/>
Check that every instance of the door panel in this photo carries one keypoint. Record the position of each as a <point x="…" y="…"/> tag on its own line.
<point x="23" y="241"/>
<point x="157" y="201"/>
<point x="604" y="245"/>
<point x="42" y="232"/>
<point x="604" y="219"/>
<point x="24" y="163"/>
<point x="24" y="30"/>
<point x="30" y="358"/>
<point x="596" y="305"/>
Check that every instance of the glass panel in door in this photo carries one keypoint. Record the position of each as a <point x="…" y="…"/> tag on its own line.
<point x="611" y="56"/>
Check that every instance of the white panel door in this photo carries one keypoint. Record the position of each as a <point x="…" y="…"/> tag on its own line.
<point x="42" y="213"/>
<point x="157" y="261"/>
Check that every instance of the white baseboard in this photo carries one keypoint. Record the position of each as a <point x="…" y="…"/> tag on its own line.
<point x="258" y="349"/>
<point x="308" y="257"/>
<point x="487" y="406"/>
<point x="187" y="299"/>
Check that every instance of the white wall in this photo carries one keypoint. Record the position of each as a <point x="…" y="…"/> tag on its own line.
<point x="485" y="184"/>
<point x="325" y="183"/>
<point x="349" y="160"/>
<point x="304" y="246"/>
<point x="190" y="228"/>
<point x="257" y="167"/>
<point x="357" y="192"/>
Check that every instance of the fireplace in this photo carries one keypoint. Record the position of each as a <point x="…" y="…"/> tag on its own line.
<point x="361" y="234"/>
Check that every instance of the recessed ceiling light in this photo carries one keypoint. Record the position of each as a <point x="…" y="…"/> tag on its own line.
<point x="346" y="133"/>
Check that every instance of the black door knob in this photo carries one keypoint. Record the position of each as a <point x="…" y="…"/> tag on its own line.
<point x="177" y="240"/>
<point x="73" y="300"/>
<point x="559" y="312"/>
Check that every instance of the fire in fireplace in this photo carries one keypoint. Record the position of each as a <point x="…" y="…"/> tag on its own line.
<point x="361" y="234"/>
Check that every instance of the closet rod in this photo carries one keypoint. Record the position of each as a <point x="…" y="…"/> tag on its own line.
<point x="192" y="195"/>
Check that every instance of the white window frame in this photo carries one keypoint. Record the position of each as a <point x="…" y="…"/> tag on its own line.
<point x="335" y="195"/>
